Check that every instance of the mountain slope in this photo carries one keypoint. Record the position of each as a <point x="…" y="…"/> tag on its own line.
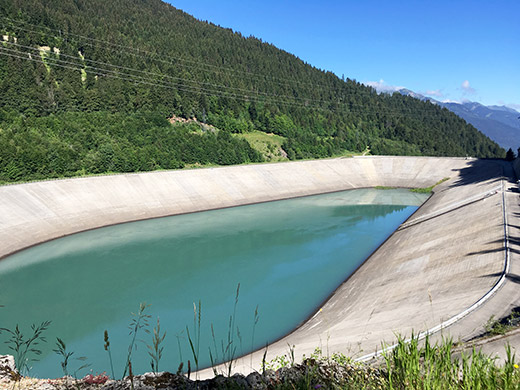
<point x="501" y="124"/>
<point x="97" y="58"/>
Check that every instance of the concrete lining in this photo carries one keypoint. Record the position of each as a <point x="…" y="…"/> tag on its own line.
<point x="446" y="258"/>
<point x="36" y="212"/>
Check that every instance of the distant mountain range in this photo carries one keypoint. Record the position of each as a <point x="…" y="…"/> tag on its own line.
<point x="500" y="123"/>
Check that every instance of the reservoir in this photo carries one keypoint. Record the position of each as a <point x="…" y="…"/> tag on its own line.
<point x="284" y="258"/>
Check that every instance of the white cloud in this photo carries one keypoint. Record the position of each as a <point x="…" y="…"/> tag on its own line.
<point x="435" y="92"/>
<point x="467" y="89"/>
<point x="450" y="101"/>
<point x="381" y="86"/>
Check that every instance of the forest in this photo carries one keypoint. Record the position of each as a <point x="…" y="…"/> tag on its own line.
<point x="88" y="86"/>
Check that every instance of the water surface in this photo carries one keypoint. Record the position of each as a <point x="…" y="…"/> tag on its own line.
<point x="288" y="257"/>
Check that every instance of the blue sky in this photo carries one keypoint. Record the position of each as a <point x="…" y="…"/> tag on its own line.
<point x="450" y="50"/>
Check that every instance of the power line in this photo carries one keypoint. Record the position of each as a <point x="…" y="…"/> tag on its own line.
<point x="109" y="73"/>
<point x="169" y="76"/>
<point x="140" y="80"/>
<point x="305" y="101"/>
<point x="140" y="53"/>
<point x="189" y="88"/>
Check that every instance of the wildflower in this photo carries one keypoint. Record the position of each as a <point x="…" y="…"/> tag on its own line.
<point x="98" y="379"/>
<point x="516" y="366"/>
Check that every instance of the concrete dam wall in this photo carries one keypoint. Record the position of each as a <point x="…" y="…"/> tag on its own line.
<point x="446" y="260"/>
<point x="36" y="212"/>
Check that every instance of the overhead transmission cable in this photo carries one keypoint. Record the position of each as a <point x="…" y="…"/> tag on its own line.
<point x="141" y="80"/>
<point x="84" y="59"/>
<point x="263" y="77"/>
<point x="181" y="79"/>
<point x="140" y="53"/>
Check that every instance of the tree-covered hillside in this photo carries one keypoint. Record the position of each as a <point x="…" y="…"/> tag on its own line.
<point x="86" y="86"/>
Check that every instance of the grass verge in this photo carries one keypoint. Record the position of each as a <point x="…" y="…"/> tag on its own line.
<point x="427" y="190"/>
<point x="410" y="365"/>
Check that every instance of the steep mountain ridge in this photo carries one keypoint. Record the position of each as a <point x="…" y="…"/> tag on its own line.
<point x="500" y="123"/>
<point x="100" y="59"/>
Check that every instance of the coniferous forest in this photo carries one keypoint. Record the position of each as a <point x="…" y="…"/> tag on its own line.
<point x="88" y="86"/>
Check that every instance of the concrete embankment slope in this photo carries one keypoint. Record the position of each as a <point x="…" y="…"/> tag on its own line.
<point x="441" y="262"/>
<point x="36" y="212"/>
<point x="448" y="259"/>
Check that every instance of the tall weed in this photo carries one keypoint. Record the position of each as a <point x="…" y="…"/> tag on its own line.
<point x="25" y="349"/>
<point x="140" y="321"/>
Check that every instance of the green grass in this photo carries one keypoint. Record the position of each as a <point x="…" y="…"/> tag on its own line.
<point x="411" y="365"/>
<point x="44" y="55"/>
<point x="433" y="366"/>
<point x="25" y="349"/>
<point x="495" y="327"/>
<point x="269" y="145"/>
<point x="346" y="153"/>
<point x="427" y="190"/>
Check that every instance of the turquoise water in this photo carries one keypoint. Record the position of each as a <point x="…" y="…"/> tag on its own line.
<point x="288" y="257"/>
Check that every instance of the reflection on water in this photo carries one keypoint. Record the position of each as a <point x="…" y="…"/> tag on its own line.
<point x="288" y="256"/>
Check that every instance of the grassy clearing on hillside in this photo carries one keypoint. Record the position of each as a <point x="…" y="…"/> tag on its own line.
<point x="268" y="144"/>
